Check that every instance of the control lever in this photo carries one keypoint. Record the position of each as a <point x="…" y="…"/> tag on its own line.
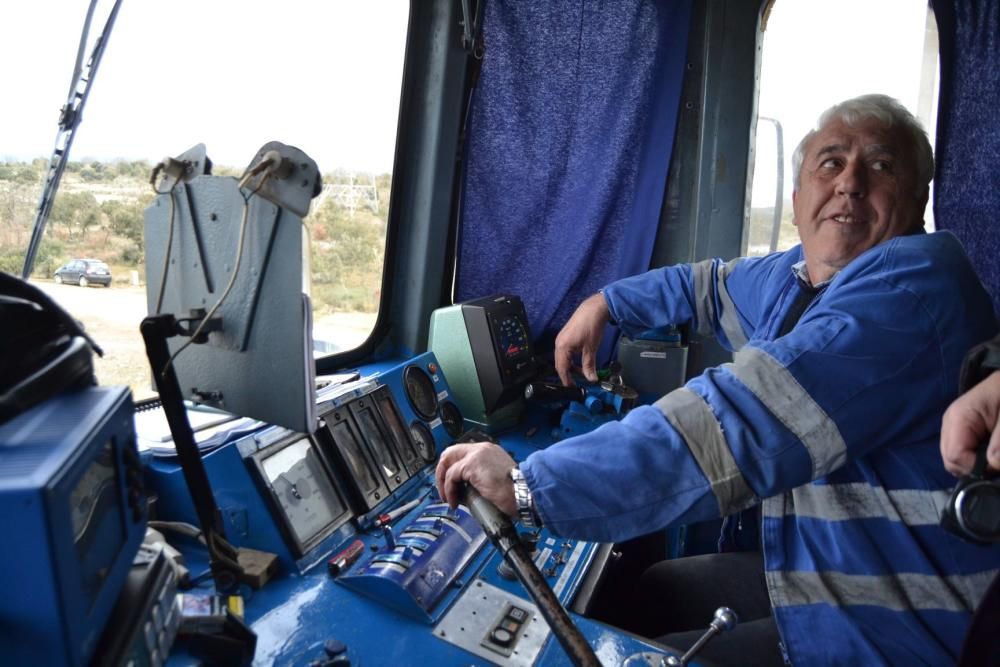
<point x="551" y="393"/>
<point x="500" y="529"/>
<point x="724" y="621"/>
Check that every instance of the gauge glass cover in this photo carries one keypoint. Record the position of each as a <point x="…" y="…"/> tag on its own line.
<point x="424" y="440"/>
<point x="452" y="418"/>
<point x="420" y="392"/>
<point x="303" y="488"/>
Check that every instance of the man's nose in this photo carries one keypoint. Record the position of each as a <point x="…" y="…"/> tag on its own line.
<point x="853" y="181"/>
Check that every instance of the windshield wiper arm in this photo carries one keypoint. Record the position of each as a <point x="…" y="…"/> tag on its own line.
<point x="69" y="120"/>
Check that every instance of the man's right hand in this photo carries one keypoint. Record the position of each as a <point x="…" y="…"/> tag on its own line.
<point x="580" y="338"/>
<point x="485" y="466"/>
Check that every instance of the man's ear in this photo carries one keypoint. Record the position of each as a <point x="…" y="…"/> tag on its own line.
<point x="795" y="218"/>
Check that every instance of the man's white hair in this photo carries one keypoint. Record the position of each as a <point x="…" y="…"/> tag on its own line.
<point x="887" y="111"/>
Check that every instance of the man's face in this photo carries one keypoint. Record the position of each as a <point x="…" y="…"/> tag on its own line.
<point x="857" y="188"/>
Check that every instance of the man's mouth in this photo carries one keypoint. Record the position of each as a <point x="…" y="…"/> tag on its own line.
<point x="847" y="219"/>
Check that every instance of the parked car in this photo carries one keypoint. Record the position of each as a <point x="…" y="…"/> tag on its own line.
<point x="84" y="272"/>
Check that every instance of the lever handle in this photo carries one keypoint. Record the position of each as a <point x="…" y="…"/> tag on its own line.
<point x="500" y="530"/>
<point x="551" y="393"/>
<point x="724" y="620"/>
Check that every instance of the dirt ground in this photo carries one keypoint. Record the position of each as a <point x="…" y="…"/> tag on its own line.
<point x="111" y="316"/>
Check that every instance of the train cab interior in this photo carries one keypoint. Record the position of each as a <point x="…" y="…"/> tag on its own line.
<point x="274" y="501"/>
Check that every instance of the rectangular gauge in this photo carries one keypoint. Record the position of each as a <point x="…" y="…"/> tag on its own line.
<point x="349" y="448"/>
<point x="303" y="494"/>
<point x="400" y="434"/>
<point x="378" y="440"/>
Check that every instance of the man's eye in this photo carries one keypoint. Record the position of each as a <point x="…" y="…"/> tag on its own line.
<point x="830" y="163"/>
<point x="882" y="165"/>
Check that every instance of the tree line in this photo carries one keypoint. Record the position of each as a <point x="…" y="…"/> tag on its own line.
<point x="98" y="212"/>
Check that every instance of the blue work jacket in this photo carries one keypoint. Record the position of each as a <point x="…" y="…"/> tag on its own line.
<point x="832" y="429"/>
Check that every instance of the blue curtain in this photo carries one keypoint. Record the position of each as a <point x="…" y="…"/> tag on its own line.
<point x="967" y="182"/>
<point x="571" y="129"/>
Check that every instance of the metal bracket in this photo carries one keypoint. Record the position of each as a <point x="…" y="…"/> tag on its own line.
<point x="283" y="175"/>
<point x="192" y="162"/>
<point x="187" y="326"/>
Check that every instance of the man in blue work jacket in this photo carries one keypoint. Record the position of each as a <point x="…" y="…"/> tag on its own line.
<point x="847" y="349"/>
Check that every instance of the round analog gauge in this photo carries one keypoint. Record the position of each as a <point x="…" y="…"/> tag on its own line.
<point x="423" y="440"/>
<point x="420" y="392"/>
<point x="454" y="423"/>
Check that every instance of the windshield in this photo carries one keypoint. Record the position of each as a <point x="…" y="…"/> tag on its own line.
<point x="904" y="67"/>
<point x="323" y="77"/>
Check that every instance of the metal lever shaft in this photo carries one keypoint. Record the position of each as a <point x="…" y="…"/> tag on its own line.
<point x="499" y="528"/>
<point x="724" y="620"/>
<point x="545" y="392"/>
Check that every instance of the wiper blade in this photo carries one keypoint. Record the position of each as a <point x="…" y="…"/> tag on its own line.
<point x="69" y="120"/>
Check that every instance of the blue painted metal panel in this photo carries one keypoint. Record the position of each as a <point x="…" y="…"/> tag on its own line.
<point x="412" y="574"/>
<point x="385" y="615"/>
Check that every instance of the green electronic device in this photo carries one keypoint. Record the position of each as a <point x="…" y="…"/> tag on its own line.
<point x="484" y="347"/>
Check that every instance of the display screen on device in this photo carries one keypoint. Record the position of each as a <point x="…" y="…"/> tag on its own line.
<point x="96" y="517"/>
<point x="512" y="337"/>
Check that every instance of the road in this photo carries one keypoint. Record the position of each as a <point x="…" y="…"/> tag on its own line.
<point x="111" y="316"/>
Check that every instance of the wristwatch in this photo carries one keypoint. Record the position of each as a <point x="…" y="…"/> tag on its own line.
<point x="525" y="505"/>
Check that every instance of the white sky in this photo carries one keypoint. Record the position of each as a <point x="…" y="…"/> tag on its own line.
<point x="324" y="75"/>
<point x="820" y="52"/>
<point x="233" y="74"/>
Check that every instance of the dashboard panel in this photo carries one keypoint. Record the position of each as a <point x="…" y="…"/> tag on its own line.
<point x="425" y="586"/>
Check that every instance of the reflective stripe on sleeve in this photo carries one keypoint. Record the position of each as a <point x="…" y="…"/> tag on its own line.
<point x="781" y="393"/>
<point x="904" y="591"/>
<point x="704" y="306"/>
<point x="706" y="276"/>
<point x="729" y="320"/>
<point x="844" y="502"/>
<point x="692" y="417"/>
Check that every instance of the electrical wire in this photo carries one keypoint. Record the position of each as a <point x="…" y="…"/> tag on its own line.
<point x="232" y="278"/>
<point x="166" y="256"/>
<point x="170" y="232"/>
<point x="179" y="527"/>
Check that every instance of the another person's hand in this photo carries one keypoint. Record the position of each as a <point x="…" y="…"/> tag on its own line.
<point x="483" y="465"/>
<point x="581" y="336"/>
<point x="968" y="421"/>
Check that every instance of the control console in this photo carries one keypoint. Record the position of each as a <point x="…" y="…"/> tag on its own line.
<point x="414" y="570"/>
<point x="372" y="563"/>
